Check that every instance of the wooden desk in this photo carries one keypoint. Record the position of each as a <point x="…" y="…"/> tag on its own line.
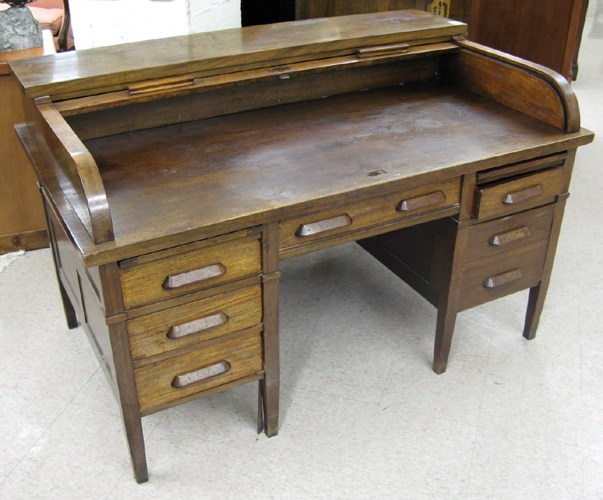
<point x="177" y="174"/>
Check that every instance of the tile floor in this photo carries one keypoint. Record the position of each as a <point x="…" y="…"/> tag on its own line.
<point x="363" y="415"/>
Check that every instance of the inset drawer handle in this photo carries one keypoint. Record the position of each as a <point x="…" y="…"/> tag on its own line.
<point x="422" y="201"/>
<point x="198" y="325"/>
<point x="503" y="278"/>
<point x="322" y="226"/>
<point x="201" y="374"/>
<point x="205" y="273"/>
<point x="523" y="195"/>
<point x="510" y="236"/>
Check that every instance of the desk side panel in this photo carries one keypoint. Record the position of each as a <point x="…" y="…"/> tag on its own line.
<point x="521" y="85"/>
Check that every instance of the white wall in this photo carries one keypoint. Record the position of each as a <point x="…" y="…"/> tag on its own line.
<point x="99" y="23"/>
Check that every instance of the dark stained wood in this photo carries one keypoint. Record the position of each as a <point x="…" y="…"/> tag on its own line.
<point x="175" y="186"/>
<point x="454" y="9"/>
<point x="28" y="240"/>
<point x="227" y="99"/>
<point x="308" y="9"/>
<point x="503" y="276"/>
<point x="538" y="292"/>
<point x="75" y="170"/>
<point x="149" y="335"/>
<point x="134" y="171"/>
<point x="269" y="390"/>
<point x="538" y="92"/>
<point x="128" y="399"/>
<point x="449" y="299"/>
<point x="154" y="382"/>
<point x="145" y="284"/>
<point x="113" y="68"/>
<point x="22" y="221"/>
<point x="507" y="233"/>
<point x="546" y="33"/>
<point x="374" y="73"/>
<point x="505" y="197"/>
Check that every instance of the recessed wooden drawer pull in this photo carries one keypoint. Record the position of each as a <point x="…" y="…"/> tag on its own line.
<point x="383" y="50"/>
<point x="161" y="84"/>
<point x="198" y="325"/>
<point x="205" y="273"/>
<point x="201" y="374"/>
<point x="510" y="236"/>
<point x="523" y="195"/>
<point x="324" y="225"/>
<point x="422" y="201"/>
<point x="503" y="278"/>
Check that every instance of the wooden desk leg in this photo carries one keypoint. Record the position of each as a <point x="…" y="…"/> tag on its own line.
<point x="129" y="400"/>
<point x="268" y="411"/>
<point x="448" y="301"/>
<point x="538" y="293"/>
<point x="270" y="385"/>
<point x="70" y="314"/>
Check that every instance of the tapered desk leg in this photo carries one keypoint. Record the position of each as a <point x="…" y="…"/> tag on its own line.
<point x="268" y="410"/>
<point x="70" y="314"/>
<point x="129" y="401"/>
<point x="538" y="293"/>
<point x="270" y="385"/>
<point x="448" y="301"/>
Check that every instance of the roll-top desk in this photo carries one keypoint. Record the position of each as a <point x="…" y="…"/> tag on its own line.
<point x="178" y="173"/>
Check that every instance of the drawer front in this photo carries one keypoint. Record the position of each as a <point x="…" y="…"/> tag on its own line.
<point x="509" y="233"/>
<point x="507" y="197"/>
<point x="195" y="322"/>
<point x="504" y="276"/>
<point x="176" y="378"/>
<point x="190" y="271"/>
<point x="298" y="231"/>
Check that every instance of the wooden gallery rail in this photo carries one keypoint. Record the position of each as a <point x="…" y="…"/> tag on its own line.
<point x="178" y="173"/>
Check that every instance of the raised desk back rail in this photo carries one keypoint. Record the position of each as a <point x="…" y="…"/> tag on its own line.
<point x="177" y="174"/>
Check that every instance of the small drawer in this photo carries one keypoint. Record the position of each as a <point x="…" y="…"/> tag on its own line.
<point x="195" y="322"/>
<point x="162" y="383"/>
<point x="308" y="228"/>
<point x="509" y="233"/>
<point x="504" y="276"/>
<point x="520" y="193"/>
<point x="190" y="271"/>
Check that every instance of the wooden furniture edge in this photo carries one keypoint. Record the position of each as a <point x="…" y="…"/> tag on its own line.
<point x="73" y="166"/>
<point x="55" y="196"/>
<point x="27" y="240"/>
<point x="306" y="40"/>
<point x="560" y="88"/>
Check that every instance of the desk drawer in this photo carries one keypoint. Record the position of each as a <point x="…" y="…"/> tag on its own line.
<point x="176" y="378"/>
<point x="520" y="193"/>
<point x="195" y="322"/>
<point x="308" y="228"/>
<point x="504" y="276"/>
<point x="509" y="233"/>
<point x="190" y="271"/>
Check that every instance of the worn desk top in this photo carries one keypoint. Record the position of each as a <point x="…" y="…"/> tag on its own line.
<point x="262" y="165"/>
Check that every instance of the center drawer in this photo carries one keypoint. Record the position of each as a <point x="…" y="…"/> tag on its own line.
<point x="195" y="322"/>
<point x="317" y="226"/>
<point x="162" y="383"/>
<point x="189" y="271"/>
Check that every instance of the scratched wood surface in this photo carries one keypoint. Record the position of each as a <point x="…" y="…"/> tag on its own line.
<point x="268" y="163"/>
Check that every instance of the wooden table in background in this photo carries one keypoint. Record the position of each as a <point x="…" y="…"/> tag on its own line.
<point x="22" y="220"/>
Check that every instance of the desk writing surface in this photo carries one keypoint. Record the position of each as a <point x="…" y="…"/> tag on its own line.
<point x="259" y="165"/>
